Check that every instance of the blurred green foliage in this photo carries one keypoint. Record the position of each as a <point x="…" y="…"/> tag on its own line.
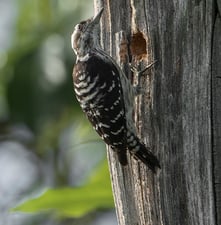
<point x="75" y="202"/>
<point x="36" y="78"/>
<point x="36" y="90"/>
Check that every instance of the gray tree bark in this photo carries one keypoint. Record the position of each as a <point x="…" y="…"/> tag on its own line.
<point x="179" y="116"/>
<point x="216" y="109"/>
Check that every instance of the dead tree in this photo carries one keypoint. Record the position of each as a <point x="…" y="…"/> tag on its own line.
<point x="179" y="116"/>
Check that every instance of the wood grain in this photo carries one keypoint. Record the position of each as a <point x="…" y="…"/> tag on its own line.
<point x="216" y="100"/>
<point x="178" y="116"/>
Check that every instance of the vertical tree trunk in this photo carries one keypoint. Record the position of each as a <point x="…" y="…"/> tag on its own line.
<point x="179" y="115"/>
<point x="216" y="109"/>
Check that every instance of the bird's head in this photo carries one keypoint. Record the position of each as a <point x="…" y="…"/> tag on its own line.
<point x="85" y="35"/>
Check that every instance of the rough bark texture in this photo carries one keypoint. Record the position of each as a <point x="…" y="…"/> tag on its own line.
<point x="216" y="100"/>
<point x="179" y="115"/>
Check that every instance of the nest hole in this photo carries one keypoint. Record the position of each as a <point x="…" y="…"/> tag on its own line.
<point x="138" y="46"/>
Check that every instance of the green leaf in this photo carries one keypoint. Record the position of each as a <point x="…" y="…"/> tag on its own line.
<point x="74" y="202"/>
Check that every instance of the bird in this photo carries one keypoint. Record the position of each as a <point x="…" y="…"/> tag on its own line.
<point x="106" y="95"/>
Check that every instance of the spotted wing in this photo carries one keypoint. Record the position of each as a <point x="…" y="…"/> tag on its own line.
<point x="99" y="91"/>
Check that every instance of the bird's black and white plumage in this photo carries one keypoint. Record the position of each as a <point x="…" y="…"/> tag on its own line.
<point x="105" y="94"/>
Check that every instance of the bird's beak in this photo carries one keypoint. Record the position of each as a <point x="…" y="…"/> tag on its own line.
<point x="97" y="18"/>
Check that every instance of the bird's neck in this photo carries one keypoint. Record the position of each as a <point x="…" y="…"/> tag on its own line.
<point x="85" y="49"/>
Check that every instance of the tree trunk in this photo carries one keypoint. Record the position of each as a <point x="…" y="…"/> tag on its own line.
<point x="216" y="109"/>
<point x="178" y="116"/>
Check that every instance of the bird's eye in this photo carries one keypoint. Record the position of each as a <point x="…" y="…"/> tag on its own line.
<point x="80" y="26"/>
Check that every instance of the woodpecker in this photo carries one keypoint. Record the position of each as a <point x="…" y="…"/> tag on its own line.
<point x="106" y="95"/>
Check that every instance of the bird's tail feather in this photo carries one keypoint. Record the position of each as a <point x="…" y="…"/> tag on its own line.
<point x="141" y="152"/>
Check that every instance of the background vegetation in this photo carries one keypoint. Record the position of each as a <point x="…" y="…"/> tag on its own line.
<point x="51" y="160"/>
